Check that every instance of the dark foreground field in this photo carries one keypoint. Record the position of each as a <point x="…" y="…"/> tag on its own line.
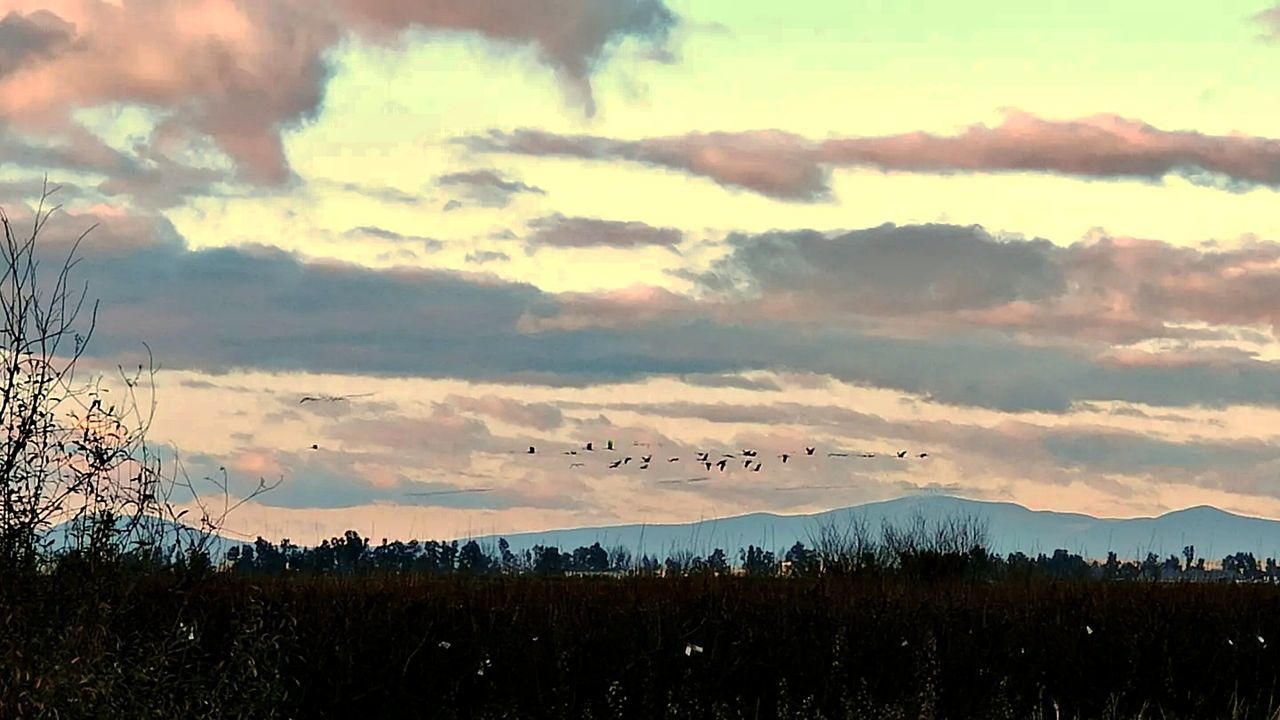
<point x="731" y="647"/>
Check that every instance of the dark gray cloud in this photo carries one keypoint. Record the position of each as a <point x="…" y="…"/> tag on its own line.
<point x="579" y="232"/>
<point x="485" y="188"/>
<point x="27" y="38"/>
<point x="1102" y="290"/>
<point x="888" y="270"/>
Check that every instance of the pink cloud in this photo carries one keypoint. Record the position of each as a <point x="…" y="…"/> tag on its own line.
<point x="238" y="71"/>
<point x="789" y="167"/>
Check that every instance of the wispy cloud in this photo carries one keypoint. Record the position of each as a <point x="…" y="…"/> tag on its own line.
<point x="789" y="167"/>
<point x="580" y="232"/>
<point x="485" y="188"/>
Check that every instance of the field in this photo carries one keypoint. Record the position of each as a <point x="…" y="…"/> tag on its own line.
<point x="147" y="644"/>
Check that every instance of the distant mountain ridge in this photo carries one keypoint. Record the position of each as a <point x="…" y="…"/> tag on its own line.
<point x="1010" y="527"/>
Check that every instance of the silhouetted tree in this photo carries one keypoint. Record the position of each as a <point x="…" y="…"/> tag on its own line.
<point x="473" y="560"/>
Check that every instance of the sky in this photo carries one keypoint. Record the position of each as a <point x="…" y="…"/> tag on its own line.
<point x="1036" y="242"/>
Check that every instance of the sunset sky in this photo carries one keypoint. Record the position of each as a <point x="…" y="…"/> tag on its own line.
<point x="1038" y="241"/>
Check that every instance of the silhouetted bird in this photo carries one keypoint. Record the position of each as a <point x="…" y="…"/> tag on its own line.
<point x="902" y="453"/>
<point x="923" y="455"/>
<point x="867" y="455"/>
<point x="834" y="454"/>
<point x="615" y="463"/>
<point x="721" y="465"/>
<point x="673" y="459"/>
<point x="570" y="452"/>
<point x="749" y="453"/>
<point x="645" y="458"/>
<point x="531" y="450"/>
<point x="756" y="468"/>
<point x="729" y="455"/>
<point x="784" y="457"/>
<point x="626" y="460"/>
<point x="809" y="450"/>
<point x="644" y="466"/>
<point x="315" y="447"/>
<point x="746" y="463"/>
<point x="589" y="448"/>
<point x="577" y="464"/>
<point x="609" y="446"/>
<point x="704" y="456"/>
<point x="707" y="464"/>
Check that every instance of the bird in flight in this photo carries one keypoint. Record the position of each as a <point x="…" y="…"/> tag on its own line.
<point x="784" y="457"/>
<point x="749" y="453"/>
<point x="315" y="447"/>
<point x="721" y="464"/>
<point x="703" y="456"/>
<point x="674" y="459"/>
<point x="330" y="398"/>
<point x="588" y="448"/>
<point x="646" y="458"/>
<point x="577" y="464"/>
<point x="809" y="450"/>
<point x="902" y="453"/>
<point x="923" y="455"/>
<point x="756" y="468"/>
<point x="836" y="454"/>
<point x="615" y="464"/>
<point x="531" y="450"/>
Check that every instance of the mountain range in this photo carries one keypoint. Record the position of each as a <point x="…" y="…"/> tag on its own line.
<point x="1214" y="533"/>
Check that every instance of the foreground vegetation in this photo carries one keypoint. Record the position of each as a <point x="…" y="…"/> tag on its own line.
<point x="124" y="642"/>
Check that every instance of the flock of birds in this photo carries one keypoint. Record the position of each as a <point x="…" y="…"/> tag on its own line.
<point x="750" y="459"/>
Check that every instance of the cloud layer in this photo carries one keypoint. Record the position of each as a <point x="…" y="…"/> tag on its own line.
<point x="862" y="307"/>
<point x="788" y="167"/>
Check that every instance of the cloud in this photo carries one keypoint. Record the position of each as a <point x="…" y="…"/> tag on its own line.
<point x="1103" y="288"/>
<point x="424" y="243"/>
<point x="481" y="257"/>
<point x="1271" y="19"/>
<point x="580" y="232"/>
<point x="240" y="73"/>
<point x="572" y="36"/>
<point x="29" y="38"/>
<point x="539" y="416"/>
<point x="788" y="167"/>
<point x="486" y="188"/>
<point x="773" y="163"/>
<point x="220" y="309"/>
